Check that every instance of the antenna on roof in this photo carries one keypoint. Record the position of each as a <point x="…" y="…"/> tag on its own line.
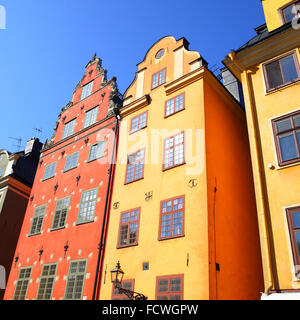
<point x="19" y="142"/>
<point x="215" y="69"/>
<point x="39" y="131"/>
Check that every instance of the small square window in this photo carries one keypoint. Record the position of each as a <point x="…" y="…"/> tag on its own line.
<point x="145" y="266"/>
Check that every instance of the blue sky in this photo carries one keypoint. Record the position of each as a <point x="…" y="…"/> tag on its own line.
<point x="47" y="44"/>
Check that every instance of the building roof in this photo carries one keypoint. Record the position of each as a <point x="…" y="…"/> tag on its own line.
<point x="263" y="34"/>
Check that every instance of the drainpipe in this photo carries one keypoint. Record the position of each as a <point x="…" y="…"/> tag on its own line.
<point x="266" y="237"/>
<point x="106" y="207"/>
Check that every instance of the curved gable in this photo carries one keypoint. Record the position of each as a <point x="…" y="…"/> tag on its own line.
<point x="174" y="56"/>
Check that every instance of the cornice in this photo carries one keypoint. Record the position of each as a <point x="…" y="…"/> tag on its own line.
<point x="14" y="184"/>
<point x="184" y="80"/>
<point x="267" y="49"/>
<point x="135" y="105"/>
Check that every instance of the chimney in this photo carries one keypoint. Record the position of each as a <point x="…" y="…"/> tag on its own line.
<point x="33" y="147"/>
<point x="232" y="84"/>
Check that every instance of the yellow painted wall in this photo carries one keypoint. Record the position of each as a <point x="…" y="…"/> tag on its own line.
<point x="216" y="137"/>
<point x="277" y="188"/>
<point x="282" y="183"/>
<point x="272" y="12"/>
<point x="167" y="257"/>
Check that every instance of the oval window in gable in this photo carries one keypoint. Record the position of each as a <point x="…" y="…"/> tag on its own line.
<point x="160" y="53"/>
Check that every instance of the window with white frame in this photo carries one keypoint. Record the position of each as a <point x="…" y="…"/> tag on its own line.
<point x="60" y="214"/>
<point x="90" y="117"/>
<point x="71" y="161"/>
<point x="22" y="283"/>
<point x="46" y="282"/>
<point x="37" y="220"/>
<point x="87" y="206"/>
<point x="174" y="151"/>
<point x="97" y="151"/>
<point x="87" y="90"/>
<point x="158" y="78"/>
<point x="50" y="171"/>
<point x="69" y="129"/>
<point x="75" y="281"/>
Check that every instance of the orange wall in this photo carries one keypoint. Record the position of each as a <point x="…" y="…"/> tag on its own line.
<point x="236" y="229"/>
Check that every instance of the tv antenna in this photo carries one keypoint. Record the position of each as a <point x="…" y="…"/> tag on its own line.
<point x="19" y="142"/>
<point x="39" y="131"/>
<point x="215" y="69"/>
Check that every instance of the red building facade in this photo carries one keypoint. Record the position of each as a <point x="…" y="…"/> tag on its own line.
<point x="57" y="255"/>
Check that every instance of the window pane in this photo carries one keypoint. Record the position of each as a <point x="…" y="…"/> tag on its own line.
<point x="288" y="147"/>
<point x="296" y="120"/>
<point x="296" y="219"/>
<point x="289" y="69"/>
<point x="100" y="150"/>
<point x="68" y="129"/>
<point x="284" y="125"/>
<point x="87" y="206"/>
<point x="289" y="13"/>
<point x="87" y="90"/>
<point x="274" y="74"/>
<point x="297" y="236"/>
<point x="90" y="117"/>
<point x="75" y="280"/>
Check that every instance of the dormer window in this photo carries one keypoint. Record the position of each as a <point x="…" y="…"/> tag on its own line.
<point x="290" y="12"/>
<point x="87" y="90"/>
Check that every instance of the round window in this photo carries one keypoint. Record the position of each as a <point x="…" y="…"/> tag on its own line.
<point x="160" y="53"/>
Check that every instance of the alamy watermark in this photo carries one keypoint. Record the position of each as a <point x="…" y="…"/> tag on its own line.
<point x="190" y="152"/>
<point x="2" y="17"/>
<point x="296" y="20"/>
<point x="2" y="278"/>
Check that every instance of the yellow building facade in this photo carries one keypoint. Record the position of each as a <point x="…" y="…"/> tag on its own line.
<point x="268" y="68"/>
<point x="175" y="223"/>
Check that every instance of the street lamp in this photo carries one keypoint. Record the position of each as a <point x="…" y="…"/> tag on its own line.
<point x="116" y="278"/>
<point x="117" y="275"/>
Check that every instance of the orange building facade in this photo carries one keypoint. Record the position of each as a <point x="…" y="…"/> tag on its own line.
<point x="183" y="221"/>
